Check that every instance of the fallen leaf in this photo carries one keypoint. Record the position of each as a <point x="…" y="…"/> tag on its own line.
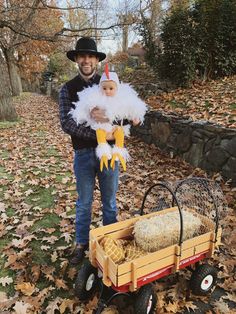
<point x="60" y="284"/>
<point x="3" y="296"/>
<point x="26" y="288"/>
<point x="5" y="281"/>
<point x="54" y="256"/>
<point x="53" y="306"/>
<point x="190" y="306"/>
<point x="66" y="303"/>
<point x="72" y="273"/>
<point x="35" y="270"/>
<point x="21" y="307"/>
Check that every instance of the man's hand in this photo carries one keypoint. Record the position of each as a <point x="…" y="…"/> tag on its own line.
<point x="99" y="115"/>
<point x="136" y="122"/>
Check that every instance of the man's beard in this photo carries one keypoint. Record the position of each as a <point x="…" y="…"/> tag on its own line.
<point x="87" y="74"/>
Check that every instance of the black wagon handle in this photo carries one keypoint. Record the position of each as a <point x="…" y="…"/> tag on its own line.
<point x="162" y="184"/>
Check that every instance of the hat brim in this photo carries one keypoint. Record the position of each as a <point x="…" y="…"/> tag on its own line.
<point x="73" y="53"/>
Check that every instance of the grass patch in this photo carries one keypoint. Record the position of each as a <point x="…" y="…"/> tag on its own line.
<point x="71" y="212"/>
<point x="39" y="257"/>
<point x="4" y="174"/>
<point x="10" y="212"/>
<point x="8" y="289"/>
<point x="2" y="191"/>
<point x="48" y="221"/>
<point x="232" y="106"/>
<point x="8" y="124"/>
<point x="207" y="104"/>
<point x="5" y="241"/>
<point x="40" y="134"/>
<point x="175" y="104"/>
<point x="6" y="272"/>
<point x="62" y="293"/>
<point x="51" y="151"/>
<point x="60" y="177"/>
<point x="22" y="96"/>
<point x="42" y="284"/>
<point x="4" y="154"/>
<point x="41" y="197"/>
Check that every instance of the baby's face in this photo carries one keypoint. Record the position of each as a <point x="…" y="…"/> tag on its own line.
<point x="109" y="88"/>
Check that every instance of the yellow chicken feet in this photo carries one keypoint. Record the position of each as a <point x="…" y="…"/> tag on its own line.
<point x="115" y="157"/>
<point x="103" y="162"/>
<point x="103" y="149"/>
<point x="118" y="151"/>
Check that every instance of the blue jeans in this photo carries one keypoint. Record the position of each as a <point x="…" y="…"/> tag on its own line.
<point x="86" y="168"/>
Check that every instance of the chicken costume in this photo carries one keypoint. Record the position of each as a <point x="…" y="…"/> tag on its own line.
<point x="124" y="105"/>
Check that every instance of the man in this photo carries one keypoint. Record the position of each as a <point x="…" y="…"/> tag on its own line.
<point x="86" y="165"/>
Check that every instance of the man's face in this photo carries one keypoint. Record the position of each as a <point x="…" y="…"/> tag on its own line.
<point x="109" y="88"/>
<point x="87" y="63"/>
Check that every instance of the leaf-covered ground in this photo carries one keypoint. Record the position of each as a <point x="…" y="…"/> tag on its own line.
<point x="214" y="101"/>
<point x="37" y="197"/>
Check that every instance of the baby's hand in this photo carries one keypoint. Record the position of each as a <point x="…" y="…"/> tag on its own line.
<point x="136" y="122"/>
<point x="114" y="128"/>
<point x="99" y="115"/>
<point x="110" y="136"/>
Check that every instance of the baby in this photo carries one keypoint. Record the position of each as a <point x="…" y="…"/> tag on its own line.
<point x="120" y="102"/>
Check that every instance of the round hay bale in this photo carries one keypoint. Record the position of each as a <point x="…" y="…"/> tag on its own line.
<point x="163" y="230"/>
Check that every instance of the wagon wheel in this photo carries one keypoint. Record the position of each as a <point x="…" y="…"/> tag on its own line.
<point x="145" y="300"/>
<point x="86" y="281"/>
<point x="203" y="279"/>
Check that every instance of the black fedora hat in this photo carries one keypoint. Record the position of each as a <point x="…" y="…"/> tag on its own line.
<point x="85" y="45"/>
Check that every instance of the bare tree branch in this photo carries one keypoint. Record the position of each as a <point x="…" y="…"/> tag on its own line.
<point x="61" y="33"/>
<point x="43" y="7"/>
<point x="64" y="29"/>
<point x="65" y="8"/>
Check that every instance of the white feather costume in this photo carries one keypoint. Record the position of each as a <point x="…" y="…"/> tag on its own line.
<point x="125" y="104"/>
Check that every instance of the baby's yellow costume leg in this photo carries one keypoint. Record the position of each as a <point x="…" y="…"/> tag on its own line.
<point x="119" y="152"/>
<point x="103" y="149"/>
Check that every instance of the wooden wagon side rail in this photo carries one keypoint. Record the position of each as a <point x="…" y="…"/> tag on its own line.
<point x="122" y="225"/>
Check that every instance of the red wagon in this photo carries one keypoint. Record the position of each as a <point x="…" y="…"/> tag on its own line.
<point x="135" y="277"/>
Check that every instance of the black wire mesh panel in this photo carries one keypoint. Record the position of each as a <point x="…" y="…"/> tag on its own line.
<point x="201" y="195"/>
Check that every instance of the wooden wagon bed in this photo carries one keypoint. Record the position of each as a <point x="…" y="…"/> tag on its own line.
<point x="131" y="275"/>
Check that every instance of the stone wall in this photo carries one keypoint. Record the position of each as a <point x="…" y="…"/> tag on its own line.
<point x="201" y="143"/>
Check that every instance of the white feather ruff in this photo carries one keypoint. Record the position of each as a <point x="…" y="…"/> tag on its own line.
<point x="104" y="126"/>
<point x="121" y="151"/>
<point x="104" y="149"/>
<point x="126" y="129"/>
<point x="124" y="105"/>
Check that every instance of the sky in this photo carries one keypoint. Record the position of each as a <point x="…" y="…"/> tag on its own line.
<point x="113" y="45"/>
<point x="114" y="41"/>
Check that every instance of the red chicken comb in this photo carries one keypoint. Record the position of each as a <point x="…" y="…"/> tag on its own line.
<point x="106" y="70"/>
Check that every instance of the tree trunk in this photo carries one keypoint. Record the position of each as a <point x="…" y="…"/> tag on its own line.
<point x="7" y="110"/>
<point x="155" y="19"/>
<point x="125" y="38"/>
<point x="15" y="79"/>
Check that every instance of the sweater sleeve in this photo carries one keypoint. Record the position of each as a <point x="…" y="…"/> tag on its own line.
<point x="68" y="125"/>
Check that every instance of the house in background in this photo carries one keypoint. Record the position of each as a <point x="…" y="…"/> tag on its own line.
<point x="137" y="53"/>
